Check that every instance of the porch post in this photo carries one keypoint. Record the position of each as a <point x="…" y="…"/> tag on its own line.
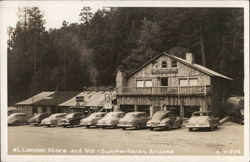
<point x="181" y="111"/>
<point x="151" y="109"/>
<point x="135" y="108"/>
<point x="48" y="109"/>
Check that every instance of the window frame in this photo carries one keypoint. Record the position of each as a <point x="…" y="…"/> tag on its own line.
<point x="174" y="64"/>
<point x="147" y="81"/>
<point x="140" y="81"/>
<point x="165" y="63"/>
<point x="186" y="79"/>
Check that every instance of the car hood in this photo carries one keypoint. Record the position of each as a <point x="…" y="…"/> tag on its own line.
<point x="199" y="119"/>
<point x="50" y="119"/>
<point x="88" y="119"/>
<point x="11" y="119"/>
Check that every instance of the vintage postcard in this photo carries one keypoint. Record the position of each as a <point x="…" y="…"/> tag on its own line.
<point x="124" y="80"/>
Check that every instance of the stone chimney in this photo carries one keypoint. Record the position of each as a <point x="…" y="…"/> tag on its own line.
<point x="120" y="79"/>
<point x="190" y="58"/>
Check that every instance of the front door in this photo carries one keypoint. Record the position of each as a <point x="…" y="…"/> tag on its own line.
<point x="127" y="108"/>
<point x="188" y="110"/>
<point x="174" y="109"/>
<point x="164" y="81"/>
<point x="144" y="108"/>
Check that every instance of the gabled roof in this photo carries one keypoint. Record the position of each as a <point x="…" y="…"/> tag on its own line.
<point x="194" y="66"/>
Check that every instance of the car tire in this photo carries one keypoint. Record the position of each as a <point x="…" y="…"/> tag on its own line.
<point x="87" y="126"/>
<point x="64" y="126"/>
<point x="190" y="129"/>
<point x="152" y="129"/>
<point x="168" y="128"/>
<point x="123" y="128"/>
<point x="138" y="126"/>
<point x="212" y="128"/>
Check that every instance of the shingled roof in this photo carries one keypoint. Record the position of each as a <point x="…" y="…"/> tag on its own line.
<point x="194" y="66"/>
<point x="67" y="98"/>
<point x="57" y="98"/>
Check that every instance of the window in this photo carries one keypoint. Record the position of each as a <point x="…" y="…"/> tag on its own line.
<point x="148" y="83"/>
<point x="155" y="65"/>
<point x="193" y="81"/>
<point x="139" y="83"/>
<point x="183" y="82"/>
<point x="163" y="64"/>
<point x="44" y="109"/>
<point x="34" y="110"/>
<point x="164" y="81"/>
<point x="174" y="63"/>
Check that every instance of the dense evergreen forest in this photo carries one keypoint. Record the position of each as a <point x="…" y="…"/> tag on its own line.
<point x="90" y="52"/>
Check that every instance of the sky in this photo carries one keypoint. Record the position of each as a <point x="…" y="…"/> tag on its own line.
<point x="54" y="15"/>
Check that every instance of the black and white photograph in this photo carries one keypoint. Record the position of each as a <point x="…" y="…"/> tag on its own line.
<point x="124" y="81"/>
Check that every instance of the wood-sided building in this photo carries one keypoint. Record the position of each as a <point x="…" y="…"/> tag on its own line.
<point x="169" y="82"/>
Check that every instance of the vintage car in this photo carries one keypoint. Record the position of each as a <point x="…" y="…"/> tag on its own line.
<point x="92" y="119"/>
<point x="72" y="119"/>
<point x="53" y="119"/>
<point x="164" y="119"/>
<point x="17" y="118"/>
<point x="202" y="119"/>
<point x="37" y="119"/>
<point x="110" y="120"/>
<point x="136" y="120"/>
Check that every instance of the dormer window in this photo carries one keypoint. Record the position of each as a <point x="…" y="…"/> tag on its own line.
<point x="174" y="63"/>
<point x="164" y="64"/>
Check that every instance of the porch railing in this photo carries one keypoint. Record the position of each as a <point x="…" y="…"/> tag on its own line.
<point x="178" y="90"/>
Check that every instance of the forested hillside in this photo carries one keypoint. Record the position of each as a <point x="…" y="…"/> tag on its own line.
<point x="90" y="52"/>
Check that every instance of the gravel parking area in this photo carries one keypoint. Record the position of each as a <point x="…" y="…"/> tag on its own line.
<point x="226" y="140"/>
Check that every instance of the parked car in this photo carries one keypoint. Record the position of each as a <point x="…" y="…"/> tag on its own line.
<point x="71" y="119"/>
<point x="136" y="120"/>
<point x="202" y="119"/>
<point x="53" y="119"/>
<point x="92" y="119"/>
<point x="37" y="119"/>
<point x="17" y="118"/>
<point x="164" y="119"/>
<point x="110" y="120"/>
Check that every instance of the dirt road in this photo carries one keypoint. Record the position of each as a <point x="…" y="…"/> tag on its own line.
<point x="226" y="140"/>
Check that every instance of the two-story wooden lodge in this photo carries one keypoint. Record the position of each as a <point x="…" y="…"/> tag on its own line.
<point x="170" y="82"/>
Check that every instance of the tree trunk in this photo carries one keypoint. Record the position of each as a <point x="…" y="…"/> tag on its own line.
<point x="202" y="49"/>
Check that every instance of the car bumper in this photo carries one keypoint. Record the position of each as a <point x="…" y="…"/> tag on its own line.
<point x="198" y="126"/>
<point x="63" y="124"/>
<point x="48" y="123"/>
<point x="34" y="123"/>
<point x="125" y="125"/>
<point x="106" y="124"/>
<point x="87" y="124"/>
